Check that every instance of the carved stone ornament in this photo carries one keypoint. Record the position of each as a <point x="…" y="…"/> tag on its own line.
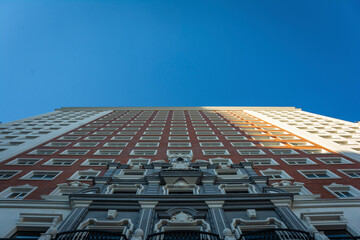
<point x="182" y="217"/>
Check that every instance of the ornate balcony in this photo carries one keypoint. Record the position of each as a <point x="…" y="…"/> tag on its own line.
<point x="277" y="234"/>
<point x="183" y="235"/>
<point x="89" y="235"/>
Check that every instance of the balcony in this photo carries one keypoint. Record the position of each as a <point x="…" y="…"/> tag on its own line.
<point x="276" y="234"/>
<point x="89" y="235"/>
<point x="183" y="235"/>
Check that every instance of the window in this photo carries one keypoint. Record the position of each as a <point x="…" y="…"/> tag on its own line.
<point x="153" y="133"/>
<point x="75" y="152"/>
<point x="97" y="162"/>
<point x="41" y="175"/>
<point x="272" y="144"/>
<point x="262" y="161"/>
<point x="334" y="160"/>
<point x="181" y="152"/>
<point x="18" y="192"/>
<point x="147" y="144"/>
<point x="124" y="188"/>
<point x="121" y="138"/>
<point x="262" y="137"/>
<point x="283" y="151"/>
<point x="86" y="175"/>
<point x="216" y="152"/>
<point x="318" y="174"/>
<point x="86" y="144"/>
<point x="250" y="152"/>
<point x="178" y="128"/>
<point x="143" y="152"/>
<point x="301" y="144"/>
<point x="179" y="138"/>
<point x="314" y="151"/>
<point x="342" y="191"/>
<point x="150" y="138"/>
<point x="24" y="161"/>
<point x="127" y="133"/>
<point x="207" y="138"/>
<point x="43" y="151"/>
<point x="138" y="161"/>
<point x="60" y="162"/>
<point x="57" y="144"/>
<point x="230" y="133"/>
<point x="7" y="174"/>
<point x="108" y="152"/>
<point x="115" y="144"/>
<point x="298" y="161"/>
<point x="236" y="138"/>
<point x="205" y="133"/>
<point x="242" y="144"/>
<point x="94" y="138"/>
<point x="353" y="173"/>
<point x="103" y="133"/>
<point x="179" y="133"/>
<point x="179" y="144"/>
<point x="211" y="144"/>
<point x="79" y="133"/>
<point x="221" y="161"/>
<point x="274" y="174"/>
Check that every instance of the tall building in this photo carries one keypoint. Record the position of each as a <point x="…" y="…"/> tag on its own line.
<point x="180" y="173"/>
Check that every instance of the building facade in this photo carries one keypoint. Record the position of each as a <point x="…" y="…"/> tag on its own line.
<point x="206" y="172"/>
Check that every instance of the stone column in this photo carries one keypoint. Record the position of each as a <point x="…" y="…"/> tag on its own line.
<point x="218" y="216"/>
<point x="147" y="213"/>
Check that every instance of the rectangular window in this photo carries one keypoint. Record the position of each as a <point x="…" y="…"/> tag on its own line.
<point x="207" y="138"/>
<point x="275" y="174"/>
<point x="250" y="152"/>
<point x="60" y="162"/>
<point x="179" y="133"/>
<point x="216" y="152"/>
<point x="353" y="173"/>
<point x="179" y="144"/>
<point x="298" y="161"/>
<point x="57" y="144"/>
<point x="236" y="138"/>
<point x="147" y="144"/>
<point x="334" y="160"/>
<point x="24" y="161"/>
<point x="150" y="138"/>
<point x="314" y="151"/>
<point x="230" y="133"/>
<point x="97" y="162"/>
<point x="143" y="152"/>
<point x="262" y="161"/>
<point x="126" y="133"/>
<point x="272" y="144"/>
<point x="121" y="138"/>
<point x="205" y="133"/>
<point x="115" y="144"/>
<point x="41" y="175"/>
<point x="243" y="144"/>
<point x="179" y="138"/>
<point x="7" y="174"/>
<point x="75" y="152"/>
<point x="95" y="138"/>
<point x="43" y="151"/>
<point x="108" y="152"/>
<point x="18" y="192"/>
<point x="86" y="144"/>
<point x="283" y="151"/>
<point x="318" y="174"/>
<point x="211" y="144"/>
<point x="184" y="152"/>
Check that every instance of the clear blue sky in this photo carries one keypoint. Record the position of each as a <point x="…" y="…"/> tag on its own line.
<point x="179" y="53"/>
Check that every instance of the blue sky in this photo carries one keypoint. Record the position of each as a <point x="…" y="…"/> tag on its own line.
<point x="179" y="53"/>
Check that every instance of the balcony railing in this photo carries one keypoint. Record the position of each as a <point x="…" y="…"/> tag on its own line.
<point x="89" y="235"/>
<point x="183" y="235"/>
<point x="345" y="238"/>
<point x="277" y="234"/>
